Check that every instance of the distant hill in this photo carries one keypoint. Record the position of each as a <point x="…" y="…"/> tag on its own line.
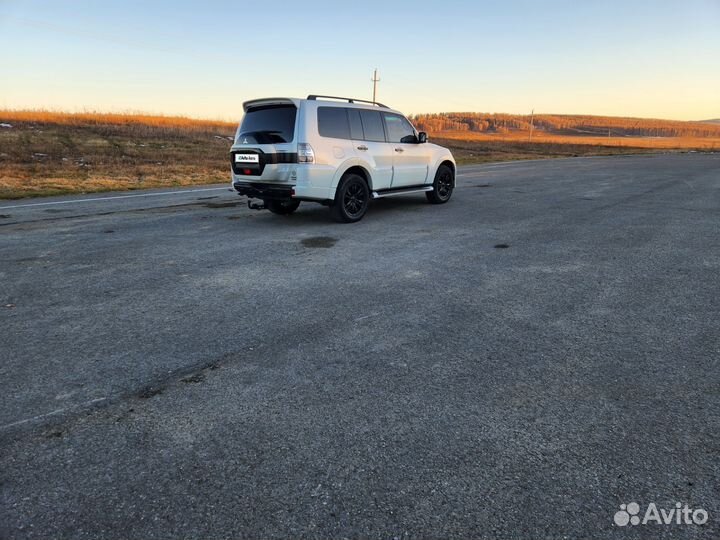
<point x="713" y="121"/>
<point x="567" y="125"/>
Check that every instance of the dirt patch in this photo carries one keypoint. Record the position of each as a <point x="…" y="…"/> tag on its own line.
<point x="221" y="204"/>
<point x="196" y="378"/>
<point x="148" y="392"/>
<point x="319" y="242"/>
<point x="125" y="415"/>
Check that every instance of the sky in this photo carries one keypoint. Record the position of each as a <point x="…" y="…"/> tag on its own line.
<point x="644" y="58"/>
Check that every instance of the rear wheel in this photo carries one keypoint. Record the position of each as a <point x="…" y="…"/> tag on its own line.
<point x="442" y="186"/>
<point x="351" y="199"/>
<point x="282" y="208"/>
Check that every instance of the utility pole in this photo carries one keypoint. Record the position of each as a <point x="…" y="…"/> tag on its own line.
<point x="532" y="117"/>
<point x="375" y="80"/>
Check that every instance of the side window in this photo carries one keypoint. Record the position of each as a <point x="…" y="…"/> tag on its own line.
<point x="399" y="129"/>
<point x="372" y="126"/>
<point x="356" y="129"/>
<point x="333" y="122"/>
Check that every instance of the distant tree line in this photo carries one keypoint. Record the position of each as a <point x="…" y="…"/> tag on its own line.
<point x="564" y="124"/>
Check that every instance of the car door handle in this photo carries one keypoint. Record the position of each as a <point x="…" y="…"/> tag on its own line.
<point x="399" y="150"/>
<point x="362" y="147"/>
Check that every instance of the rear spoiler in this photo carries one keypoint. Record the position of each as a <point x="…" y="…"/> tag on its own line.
<point x="268" y="101"/>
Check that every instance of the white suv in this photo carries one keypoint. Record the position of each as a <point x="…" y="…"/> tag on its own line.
<point x="339" y="152"/>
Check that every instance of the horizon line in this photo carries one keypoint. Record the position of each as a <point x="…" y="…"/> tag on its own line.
<point x="139" y="112"/>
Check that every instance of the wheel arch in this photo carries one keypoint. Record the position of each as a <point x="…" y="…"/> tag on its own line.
<point x="355" y="167"/>
<point x="445" y="160"/>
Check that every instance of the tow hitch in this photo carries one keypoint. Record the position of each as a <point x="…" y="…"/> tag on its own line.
<point x="255" y="206"/>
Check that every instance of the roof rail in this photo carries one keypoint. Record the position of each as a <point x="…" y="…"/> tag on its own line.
<point x="349" y="100"/>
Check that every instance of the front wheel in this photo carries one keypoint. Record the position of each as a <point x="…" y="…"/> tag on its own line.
<point x="442" y="186"/>
<point x="351" y="199"/>
<point x="282" y="208"/>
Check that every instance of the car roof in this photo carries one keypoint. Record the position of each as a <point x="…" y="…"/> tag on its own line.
<point x="319" y="100"/>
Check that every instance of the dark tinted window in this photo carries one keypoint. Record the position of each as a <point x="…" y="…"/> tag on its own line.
<point x="356" y="129"/>
<point x="372" y="126"/>
<point x="267" y="125"/>
<point x="399" y="129"/>
<point x="333" y="122"/>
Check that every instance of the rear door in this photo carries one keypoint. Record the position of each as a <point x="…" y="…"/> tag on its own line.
<point x="368" y="134"/>
<point x="333" y="125"/>
<point x="411" y="160"/>
<point x="265" y="139"/>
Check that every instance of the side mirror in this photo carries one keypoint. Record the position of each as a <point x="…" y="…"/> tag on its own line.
<point x="422" y="137"/>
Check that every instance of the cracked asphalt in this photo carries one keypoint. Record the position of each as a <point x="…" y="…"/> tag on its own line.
<point x="517" y="363"/>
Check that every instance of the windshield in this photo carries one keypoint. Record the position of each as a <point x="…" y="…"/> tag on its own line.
<point x="268" y="125"/>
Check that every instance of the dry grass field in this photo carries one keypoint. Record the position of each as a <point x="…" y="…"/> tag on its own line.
<point x="469" y="147"/>
<point x="470" y="150"/>
<point x="654" y="143"/>
<point x="491" y="136"/>
<point x="47" y="153"/>
<point x="52" y="153"/>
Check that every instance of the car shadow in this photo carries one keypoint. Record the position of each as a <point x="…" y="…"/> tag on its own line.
<point x="311" y="213"/>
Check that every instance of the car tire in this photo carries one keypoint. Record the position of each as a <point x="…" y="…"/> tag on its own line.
<point x="283" y="208"/>
<point x="442" y="186"/>
<point x="352" y="199"/>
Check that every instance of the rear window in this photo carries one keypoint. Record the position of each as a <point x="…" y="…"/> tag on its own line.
<point x="269" y="124"/>
<point x="372" y="126"/>
<point x="333" y="122"/>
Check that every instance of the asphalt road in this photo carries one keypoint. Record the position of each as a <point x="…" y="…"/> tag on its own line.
<point x="177" y="365"/>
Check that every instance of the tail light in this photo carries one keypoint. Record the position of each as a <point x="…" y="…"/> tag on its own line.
<point x="305" y="153"/>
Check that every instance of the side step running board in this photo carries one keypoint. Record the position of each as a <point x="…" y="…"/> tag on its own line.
<point x="400" y="191"/>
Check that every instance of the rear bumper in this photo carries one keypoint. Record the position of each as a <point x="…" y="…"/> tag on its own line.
<point x="284" y="181"/>
<point x="258" y="190"/>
